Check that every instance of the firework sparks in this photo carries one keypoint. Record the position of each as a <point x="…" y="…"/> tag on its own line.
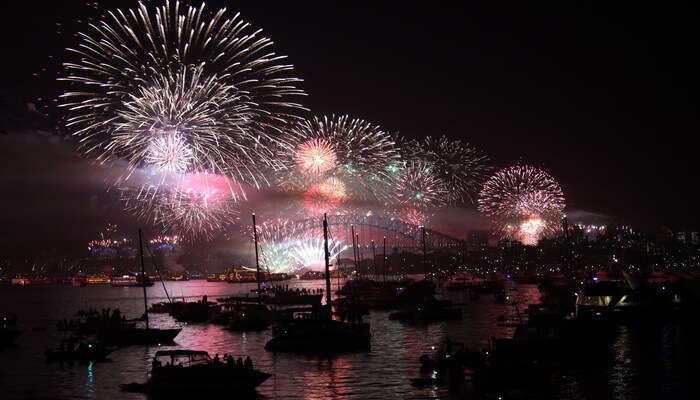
<point x="198" y="206"/>
<point x="525" y="202"/>
<point x="419" y="187"/>
<point x="181" y="91"/>
<point x="169" y="153"/>
<point x="309" y="253"/>
<point x="315" y="156"/>
<point x="354" y="151"/>
<point x="325" y="197"/>
<point x="462" y="167"/>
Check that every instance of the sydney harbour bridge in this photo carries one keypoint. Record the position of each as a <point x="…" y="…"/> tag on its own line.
<point x="370" y="230"/>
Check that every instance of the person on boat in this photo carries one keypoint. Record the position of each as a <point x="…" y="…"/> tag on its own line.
<point x="248" y="363"/>
<point x="239" y="362"/>
<point x="216" y="358"/>
<point x="155" y="364"/>
<point x="229" y="360"/>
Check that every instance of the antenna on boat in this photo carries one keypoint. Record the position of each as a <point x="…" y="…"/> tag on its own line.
<point x="257" y="262"/>
<point x="326" y="257"/>
<point x="143" y="277"/>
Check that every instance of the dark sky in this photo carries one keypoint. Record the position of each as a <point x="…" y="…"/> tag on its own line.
<point x="604" y="96"/>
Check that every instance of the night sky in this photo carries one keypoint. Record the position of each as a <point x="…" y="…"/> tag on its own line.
<point x="605" y="99"/>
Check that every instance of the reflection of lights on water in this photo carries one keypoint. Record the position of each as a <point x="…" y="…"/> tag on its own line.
<point x="90" y="384"/>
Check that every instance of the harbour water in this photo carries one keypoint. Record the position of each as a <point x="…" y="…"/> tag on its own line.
<point x="645" y="361"/>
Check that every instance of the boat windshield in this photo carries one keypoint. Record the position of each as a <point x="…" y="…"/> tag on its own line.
<point x="185" y="360"/>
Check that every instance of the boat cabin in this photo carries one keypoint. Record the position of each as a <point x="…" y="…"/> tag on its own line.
<point x="187" y="358"/>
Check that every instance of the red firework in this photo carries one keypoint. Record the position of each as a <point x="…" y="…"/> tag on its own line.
<point x="325" y="197"/>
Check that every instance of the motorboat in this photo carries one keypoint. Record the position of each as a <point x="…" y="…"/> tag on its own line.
<point x="318" y="335"/>
<point x="190" y="371"/>
<point x="461" y="281"/>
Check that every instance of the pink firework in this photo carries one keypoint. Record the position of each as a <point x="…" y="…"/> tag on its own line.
<point x="315" y="156"/>
<point x="412" y="215"/>
<point x="524" y="202"/>
<point x="325" y="196"/>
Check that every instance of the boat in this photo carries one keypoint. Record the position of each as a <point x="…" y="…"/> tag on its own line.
<point x="242" y="275"/>
<point x="178" y="372"/>
<point x="8" y="329"/>
<point x="83" y="352"/>
<point x="292" y="298"/>
<point x="195" y="311"/>
<point x="311" y="275"/>
<point x="461" y="281"/>
<point x="131" y="280"/>
<point x="78" y="281"/>
<point x="217" y="277"/>
<point x="98" y="280"/>
<point x="315" y="332"/>
<point x="251" y="317"/>
<point x="119" y="332"/>
<point x="318" y="335"/>
<point x="276" y="277"/>
<point x="25" y="281"/>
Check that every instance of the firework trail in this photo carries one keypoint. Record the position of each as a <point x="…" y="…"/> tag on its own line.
<point x="525" y="203"/>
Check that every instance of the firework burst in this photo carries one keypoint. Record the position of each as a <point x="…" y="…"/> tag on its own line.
<point x="180" y="89"/>
<point x="354" y="151"/>
<point x="462" y="167"/>
<point x="525" y="203"/>
<point x="309" y="253"/>
<point x="198" y="206"/>
<point x="315" y="156"/>
<point x="419" y="187"/>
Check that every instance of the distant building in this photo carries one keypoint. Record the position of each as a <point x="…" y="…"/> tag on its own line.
<point x="477" y="240"/>
<point x="680" y="237"/>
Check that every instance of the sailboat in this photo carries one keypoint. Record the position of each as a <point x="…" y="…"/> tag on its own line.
<point x="318" y="333"/>
<point x="127" y="333"/>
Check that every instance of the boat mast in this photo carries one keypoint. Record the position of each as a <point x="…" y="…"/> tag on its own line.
<point x="425" y="261"/>
<point x="143" y="279"/>
<point x="384" y="263"/>
<point x="354" y="252"/>
<point x="326" y="257"/>
<point x="374" y="261"/>
<point x="257" y="262"/>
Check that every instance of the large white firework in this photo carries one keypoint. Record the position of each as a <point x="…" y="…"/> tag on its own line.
<point x="179" y="90"/>
<point x="207" y="77"/>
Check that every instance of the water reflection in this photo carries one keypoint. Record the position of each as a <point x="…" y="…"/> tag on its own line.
<point x="627" y="363"/>
<point x="90" y="384"/>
